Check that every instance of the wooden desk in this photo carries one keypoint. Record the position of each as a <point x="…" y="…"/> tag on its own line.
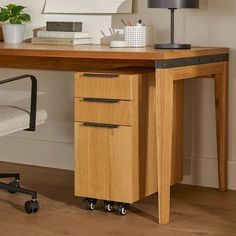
<point x="170" y="65"/>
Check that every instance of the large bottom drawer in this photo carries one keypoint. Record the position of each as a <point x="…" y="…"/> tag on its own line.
<point x="104" y="163"/>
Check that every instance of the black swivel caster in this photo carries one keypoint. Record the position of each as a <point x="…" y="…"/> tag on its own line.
<point x="32" y="206"/>
<point x="122" y="209"/>
<point x="108" y="206"/>
<point x="90" y="203"/>
<point x="15" y="183"/>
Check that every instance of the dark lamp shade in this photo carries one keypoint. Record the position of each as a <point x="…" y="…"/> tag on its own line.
<point x="173" y="3"/>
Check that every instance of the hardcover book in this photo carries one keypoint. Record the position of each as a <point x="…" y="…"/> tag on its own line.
<point x="61" y="41"/>
<point x="59" y="34"/>
<point x="64" y="26"/>
<point x="35" y="31"/>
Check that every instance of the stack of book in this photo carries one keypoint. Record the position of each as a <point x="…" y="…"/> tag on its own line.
<point x="47" y="35"/>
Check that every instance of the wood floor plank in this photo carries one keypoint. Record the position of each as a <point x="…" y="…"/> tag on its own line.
<point x="195" y="211"/>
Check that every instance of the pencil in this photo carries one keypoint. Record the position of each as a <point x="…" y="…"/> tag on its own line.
<point x="111" y="31"/>
<point x="103" y="34"/>
<point x="123" y="22"/>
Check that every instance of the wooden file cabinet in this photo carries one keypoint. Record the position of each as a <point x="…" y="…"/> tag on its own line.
<point x="115" y="137"/>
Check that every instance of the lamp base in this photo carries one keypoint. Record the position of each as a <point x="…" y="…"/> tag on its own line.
<point x="172" y="46"/>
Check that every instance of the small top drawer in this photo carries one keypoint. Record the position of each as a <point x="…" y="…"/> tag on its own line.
<point x="100" y="85"/>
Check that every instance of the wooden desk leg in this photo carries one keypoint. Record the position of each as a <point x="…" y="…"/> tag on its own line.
<point x="221" y="102"/>
<point x="164" y="115"/>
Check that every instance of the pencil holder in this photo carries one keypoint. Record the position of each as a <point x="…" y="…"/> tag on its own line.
<point x="135" y="36"/>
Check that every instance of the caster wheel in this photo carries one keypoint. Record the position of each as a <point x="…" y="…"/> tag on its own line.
<point x="14" y="183"/>
<point x="108" y="206"/>
<point x="122" y="209"/>
<point x="90" y="204"/>
<point x="32" y="206"/>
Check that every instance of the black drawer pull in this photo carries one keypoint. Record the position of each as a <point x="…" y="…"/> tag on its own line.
<point x="100" y="125"/>
<point x="103" y="100"/>
<point x="92" y="75"/>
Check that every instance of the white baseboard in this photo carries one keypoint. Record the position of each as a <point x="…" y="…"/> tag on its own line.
<point x="37" y="152"/>
<point x="202" y="171"/>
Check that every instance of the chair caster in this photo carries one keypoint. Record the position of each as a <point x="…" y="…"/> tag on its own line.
<point x="122" y="209"/>
<point x="31" y="206"/>
<point x="15" y="183"/>
<point x="108" y="206"/>
<point x="90" y="203"/>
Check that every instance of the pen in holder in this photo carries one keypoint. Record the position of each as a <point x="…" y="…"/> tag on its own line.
<point x="135" y="36"/>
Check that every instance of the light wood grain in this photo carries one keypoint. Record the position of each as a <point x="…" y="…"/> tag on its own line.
<point x="219" y="71"/>
<point x="103" y="163"/>
<point x="113" y="175"/>
<point x="142" y="148"/>
<point x="102" y="52"/>
<point x="165" y="79"/>
<point x="95" y="57"/>
<point x="97" y="87"/>
<point x="164" y="128"/>
<point x="145" y="139"/>
<point x="194" y="210"/>
<point x="68" y="64"/>
<point x="221" y="105"/>
<point x="101" y="112"/>
<point x="197" y="71"/>
<point x="148" y="135"/>
<point x="178" y="132"/>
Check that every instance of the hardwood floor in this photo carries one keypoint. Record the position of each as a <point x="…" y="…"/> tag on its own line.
<point x="194" y="211"/>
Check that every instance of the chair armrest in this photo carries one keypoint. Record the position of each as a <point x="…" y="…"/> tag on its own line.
<point x="33" y="106"/>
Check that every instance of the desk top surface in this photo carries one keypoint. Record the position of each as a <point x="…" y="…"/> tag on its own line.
<point x="103" y="52"/>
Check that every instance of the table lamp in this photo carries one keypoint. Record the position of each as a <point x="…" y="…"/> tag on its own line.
<point x="173" y="5"/>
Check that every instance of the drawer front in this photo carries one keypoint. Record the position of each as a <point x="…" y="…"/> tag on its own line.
<point x="103" y="162"/>
<point x="103" y="86"/>
<point x="103" y="111"/>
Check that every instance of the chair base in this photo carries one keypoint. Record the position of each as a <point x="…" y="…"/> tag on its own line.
<point x="14" y="187"/>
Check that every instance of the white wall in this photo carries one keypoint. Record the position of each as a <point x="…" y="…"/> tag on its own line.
<point x="212" y="25"/>
<point x="92" y="23"/>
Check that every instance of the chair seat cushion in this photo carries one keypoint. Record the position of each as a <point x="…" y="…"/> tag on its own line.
<point x="13" y="119"/>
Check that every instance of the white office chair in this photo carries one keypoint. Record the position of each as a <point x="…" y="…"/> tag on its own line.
<point x="13" y="119"/>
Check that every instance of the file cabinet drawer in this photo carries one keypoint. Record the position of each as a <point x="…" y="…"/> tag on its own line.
<point x="108" y="111"/>
<point x="103" y="86"/>
<point x="104" y="162"/>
